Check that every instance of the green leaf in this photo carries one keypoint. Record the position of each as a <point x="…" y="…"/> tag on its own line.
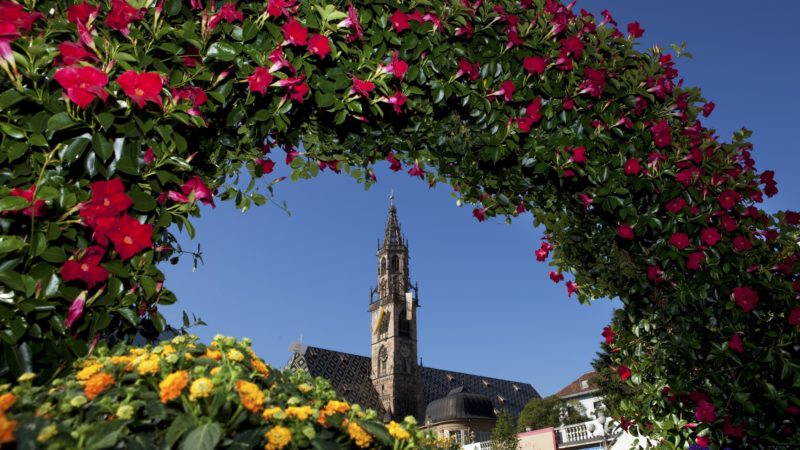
<point x="141" y="200"/>
<point x="129" y="316"/>
<point x="12" y="203"/>
<point x="72" y="151"/>
<point x="178" y="427"/>
<point x="59" y="122"/>
<point x="106" y="120"/>
<point x="222" y="51"/>
<point x="204" y="437"/>
<point x="379" y="431"/>
<point x="9" y="98"/>
<point x="54" y="255"/>
<point x="102" y="146"/>
<point x="10" y="244"/>
<point x="106" y="434"/>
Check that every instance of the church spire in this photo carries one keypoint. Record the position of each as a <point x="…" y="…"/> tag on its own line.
<point x="392" y="236"/>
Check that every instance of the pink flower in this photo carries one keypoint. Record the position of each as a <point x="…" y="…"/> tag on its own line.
<point x="655" y="274"/>
<point x="745" y="297"/>
<point x="736" y="344"/>
<point x="362" y="87"/>
<point x="679" y="240"/>
<point x="625" y="231"/>
<point x="201" y="192"/>
<point x="395" y="164"/>
<point x="710" y="236"/>
<point x="479" y="213"/>
<point x="416" y="170"/>
<point x="624" y="372"/>
<point x="571" y="288"/>
<point x="142" y="87"/>
<point x="556" y="277"/>
<point x="705" y="412"/>
<point x="534" y="64"/>
<point x="260" y="80"/>
<point x="662" y="135"/>
<point x="294" y="32"/>
<point x="82" y="84"/>
<point x="635" y="30"/>
<point x="728" y="199"/>
<point x="228" y="13"/>
<point x="609" y="334"/>
<point x="75" y="311"/>
<point x="632" y="166"/>
<point x="319" y="45"/>
<point x="399" y="21"/>
<point x="708" y="108"/>
<point x="87" y="268"/>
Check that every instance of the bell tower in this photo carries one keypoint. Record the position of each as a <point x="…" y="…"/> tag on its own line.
<point x="393" y="304"/>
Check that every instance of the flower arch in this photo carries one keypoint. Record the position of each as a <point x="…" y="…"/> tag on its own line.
<point x="118" y="118"/>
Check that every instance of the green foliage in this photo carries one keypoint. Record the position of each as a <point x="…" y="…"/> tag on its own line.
<point x="183" y="394"/>
<point x="504" y="435"/>
<point x="550" y="411"/>
<point x="561" y="145"/>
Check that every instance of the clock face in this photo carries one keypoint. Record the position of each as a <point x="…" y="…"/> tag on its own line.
<point x="404" y="351"/>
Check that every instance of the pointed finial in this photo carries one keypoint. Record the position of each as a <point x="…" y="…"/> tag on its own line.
<point x="391" y="198"/>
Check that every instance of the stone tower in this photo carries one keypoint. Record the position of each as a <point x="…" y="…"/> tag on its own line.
<point x="393" y="304"/>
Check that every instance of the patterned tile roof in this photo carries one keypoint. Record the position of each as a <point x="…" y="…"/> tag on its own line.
<point x="350" y="374"/>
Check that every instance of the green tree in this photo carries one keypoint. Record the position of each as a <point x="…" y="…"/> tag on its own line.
<point x="503" y="435"/>
<point x="550" y="412"/>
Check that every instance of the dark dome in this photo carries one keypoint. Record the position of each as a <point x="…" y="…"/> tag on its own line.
<point x="459" y="405"/>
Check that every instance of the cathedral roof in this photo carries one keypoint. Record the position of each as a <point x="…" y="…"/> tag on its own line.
<point x="392" y="235"/>
<point x="459" y="405"/>
<point x="350" y="374"/>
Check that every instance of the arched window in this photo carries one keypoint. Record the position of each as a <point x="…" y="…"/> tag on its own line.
<point x="395" y="263"/>
<point x="383" y="266"/>
<point x="383" y="356"/>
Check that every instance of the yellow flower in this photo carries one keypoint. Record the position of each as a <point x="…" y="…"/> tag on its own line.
<point x="299" y="412"/>
<point x="46" y="433"/>
<point x="269" y="413"/>
<point x="235" y="355"/>
<point x="7" y="400"/>
<point x="97" y="384"/>
<point x="201" y="388"/>
<point x="188" y="356"/>
<point x="278" y="438"/>
<point x="170" y="387"/>
<point x="87" y="371"/>
<point x="397" y="431"/>
<point x="167" y="349"/>
<point x="123" y="360"/>
<point x="136" y="351"/>
<point x="331" y="408"/>
<point x="361" y="437"/>
<point x="250" y="395"/>
<point x="149" y="365"/>
<point x="125" y="412"/>
<point x="27" y="376"/>
<point x="305" y="388"/>
<point x="213" y="354"/>
<point x="7" y="428"/>
<point x="260" y="367"/>
<point x="215" y="370"/>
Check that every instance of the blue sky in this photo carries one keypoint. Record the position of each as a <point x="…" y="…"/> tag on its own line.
<point x="487" y="305"/>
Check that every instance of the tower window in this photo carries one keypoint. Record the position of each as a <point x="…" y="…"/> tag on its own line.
<point x="383" y="356"/>
<point x="395" y="263"/>
<point x="405" y="327"/>
<point x="383" y="266"/>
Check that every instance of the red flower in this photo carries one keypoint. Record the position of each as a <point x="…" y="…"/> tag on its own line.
<point x="556" y="277"/>
<point x="710" y="236"/>
<point x="108" y="198"/>
<point x="655" y="274"/>
<point x="662" y="135"/>
<point x="294" y="32"/>
<point x="130" y="237"/>
<point x="121" y="15"/>
<point x="541" y="254"/>
<point x="277" y="8"/>
<point x="705" y="412"/>
<point x="635" y="30"/>
<point x="479" y="213"/>
<point x="362" y="87"/>
<point x="352" y="22"/>
<point x="260" y="80"/>
<point x="632" y="166"/>
<point x="467" y="30"/>
<point x="319" y="45"/>
<point x="624" y="372"/>
<point x="201" y="191"/>
<point x="149" y="156"/>
<point x="586" y="200"/>
<point x="625" y="231"/>
<point x="729" y="198"/>
<point x="87" y="268"/>
<point x="75" y="311"/>
<point x="72" y="53"/>
<point x="742" y="244"/>
<point x="395" y="164"/>
<point x="142" y="87"/>
<point x="298" y="92"/>
<point x="228" y="13"/>
<point x="267" y="165"/>
<point x="82" y="84"/>
<point x="745" y="297"/>
<point x="573" y="45"/>
<point x="507" y="89"/>
<point x="397" y="100"/>
<point x="729" y="429"/>
<point x="38" y="209"/>
<point x="83" y="13"/>
<point x="594" y="83"/>
<point x="679" y="240"/>
<point x="708" y="108"/>
<point x="794" y="316"/>
<point x="736" y="344"/>
<point x="534" y="64"/>
<point x="695" y="259"/>
<point x="578" y="155"/>
<point x="15" y="15"/>
<point x="702" y="441"/>
<point x="609" y="334"/>
<point x="571" y="288"/>
<point x="399" y="21"/>
<point x="416" y="170"/>
<point x="728" y="223"/>
<point x="467" y="68"/>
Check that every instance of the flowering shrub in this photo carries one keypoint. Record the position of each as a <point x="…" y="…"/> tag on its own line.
<point x="120" y="117"/>
<point x="183" y="392"/>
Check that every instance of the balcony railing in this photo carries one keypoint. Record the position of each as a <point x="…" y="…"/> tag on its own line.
<point x="578" y="434"/>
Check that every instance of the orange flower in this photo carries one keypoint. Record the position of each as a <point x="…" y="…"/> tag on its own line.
<point x="7" y="428"/>
<point x="331" y="408"/>
<point x="97" y="384"/>
<point x="299" y="412"/>
<point x="250" y="395"/>
<point x="359" y="435"/>
<point x="170" y="387"/>
<point x="7" y="400"/>
<point x="260" y="367"/>
<point x="213" y="354"/>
